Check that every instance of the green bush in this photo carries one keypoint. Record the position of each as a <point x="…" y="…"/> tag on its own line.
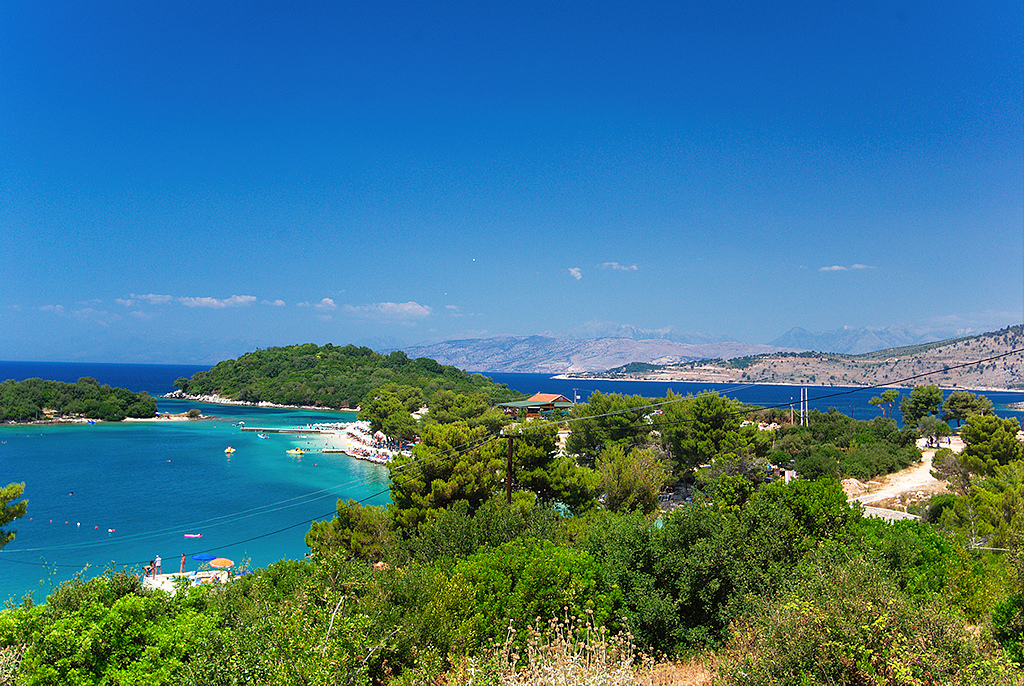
<point x="847" y="624"/>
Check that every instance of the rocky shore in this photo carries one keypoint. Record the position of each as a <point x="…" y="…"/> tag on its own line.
<point x="220" y="400"/>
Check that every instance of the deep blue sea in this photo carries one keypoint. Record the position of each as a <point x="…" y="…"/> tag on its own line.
<point x="115" y="496"/>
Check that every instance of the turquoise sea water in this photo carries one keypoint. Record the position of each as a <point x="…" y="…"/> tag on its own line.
<point x="153" y="482"/>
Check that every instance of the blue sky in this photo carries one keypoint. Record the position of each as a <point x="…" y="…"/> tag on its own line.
<point x="185" y="182"/>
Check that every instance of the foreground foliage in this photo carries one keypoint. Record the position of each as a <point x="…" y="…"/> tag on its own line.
<point x="793" y="573"/>
<point x="581" y="575"/>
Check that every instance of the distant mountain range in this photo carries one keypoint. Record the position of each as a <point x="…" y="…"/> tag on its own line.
<point x="599" y="346"/>
<point x="854" y="341"/>
<point x="557" y="355"/>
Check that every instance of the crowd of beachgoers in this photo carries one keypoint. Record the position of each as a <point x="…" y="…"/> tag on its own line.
<point x="359" y="441"/>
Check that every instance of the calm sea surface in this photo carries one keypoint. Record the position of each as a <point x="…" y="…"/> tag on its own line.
<point x="115" y="496"/>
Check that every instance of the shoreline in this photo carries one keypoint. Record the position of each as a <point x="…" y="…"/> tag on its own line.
<point x="745" y="382"/>
<point x="215" y="399"/>
<point x="69" y="421"/>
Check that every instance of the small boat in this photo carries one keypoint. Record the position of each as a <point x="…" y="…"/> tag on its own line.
<point x="295" y="451"/>
<point x="229" y="450"/>
<point x="262" y="436"/>
<point x="193" y="535"/>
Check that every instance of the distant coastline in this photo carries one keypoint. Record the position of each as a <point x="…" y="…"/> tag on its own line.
<point x="776" y="382"/>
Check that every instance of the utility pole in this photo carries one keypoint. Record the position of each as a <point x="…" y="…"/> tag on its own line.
<point x="508" y="473"/>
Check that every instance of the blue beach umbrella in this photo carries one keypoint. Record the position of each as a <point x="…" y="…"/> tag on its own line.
<point x="204" y="557"/>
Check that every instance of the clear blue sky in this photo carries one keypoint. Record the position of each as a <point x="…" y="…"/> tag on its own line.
<point x="183" y="182"/>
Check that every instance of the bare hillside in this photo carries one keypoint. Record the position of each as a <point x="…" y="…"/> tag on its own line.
<point x="958" y="358"/>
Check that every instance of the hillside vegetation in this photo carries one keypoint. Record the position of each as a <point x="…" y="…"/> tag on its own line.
<point x="586" y="572"/>
<point x="331" y="377"/>
<point x="886" y="367"/>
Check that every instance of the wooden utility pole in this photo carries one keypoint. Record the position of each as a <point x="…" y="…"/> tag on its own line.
<point x="508" y="473"/>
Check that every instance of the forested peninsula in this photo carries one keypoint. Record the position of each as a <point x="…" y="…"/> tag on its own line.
<point x="39" y="400"/>
<point x="331" y="377"/>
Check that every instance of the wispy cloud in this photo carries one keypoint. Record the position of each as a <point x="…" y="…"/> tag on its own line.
<point x="151" y="298"/>
<point x="843" y="268"/>
<point x="391" y="311"/>
<point x="218" y="303"/>
<point x="57" y="309"/>
<point x="576" y="272"/>
<point x="273" y="303"/>
<point x="325" y="305"/>
<point x="615" y="266"/>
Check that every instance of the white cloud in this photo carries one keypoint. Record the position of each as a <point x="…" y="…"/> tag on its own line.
<point x="392" y="311"/>
<point x="274" y="303"/>
<point x="576" y="272"/>
<point x="58" y="309"/>
<point x="615" y="266"/>
<point x="842" y="268"/>
<point x="218" y="303"/>
<point x="325" y="305"/>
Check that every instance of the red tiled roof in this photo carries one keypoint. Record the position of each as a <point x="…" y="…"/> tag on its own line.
<point x="548" y="398"/>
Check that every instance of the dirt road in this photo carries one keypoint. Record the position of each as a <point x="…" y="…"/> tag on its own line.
<point x="916" y="478"/>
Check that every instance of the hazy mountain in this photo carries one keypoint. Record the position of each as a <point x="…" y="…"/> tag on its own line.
<point x="594" y="330"/>
<point x="555" y="354"/>
<point x="855" y="341"/>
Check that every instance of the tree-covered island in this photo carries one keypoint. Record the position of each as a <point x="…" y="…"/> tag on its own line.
<point x="39" y="400"/>
<point x="331" y="377"/>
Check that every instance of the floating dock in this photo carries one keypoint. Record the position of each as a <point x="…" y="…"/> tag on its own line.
<point x="286" y="431"/>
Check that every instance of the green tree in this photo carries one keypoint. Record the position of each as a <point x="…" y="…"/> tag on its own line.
<point x="990" y="442"/>
<point x="449" y="465"/>
<point x="632" y="480"/>
<point x="9" y="511"/>
<point x="886" y="401"/>
<point x="703" y="429"/>
<point x="962" y="404"/>
<point x="608" y="419"/>
<point x="922" y="401"/>
<point x="541" y="468"/>
<point x="360" y="531"/>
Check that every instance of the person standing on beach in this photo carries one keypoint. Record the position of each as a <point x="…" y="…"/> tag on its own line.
<point x="183" y="563"/>
<point x="156" y="567"/>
